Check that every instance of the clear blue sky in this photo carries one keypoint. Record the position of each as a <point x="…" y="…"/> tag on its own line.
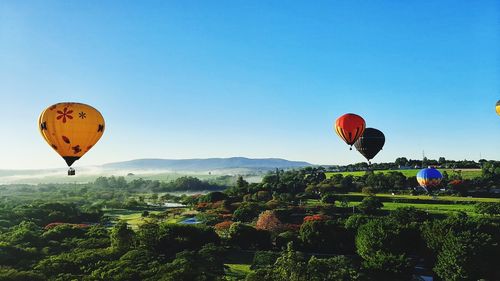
<point x="196" y="79"/>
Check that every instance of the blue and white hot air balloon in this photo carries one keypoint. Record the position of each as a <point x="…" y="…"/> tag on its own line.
<point x="429" y="177"/>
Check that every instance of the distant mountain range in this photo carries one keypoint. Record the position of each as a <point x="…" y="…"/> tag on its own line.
<point x="209" y="164"/>
<point x="156" y="169"/>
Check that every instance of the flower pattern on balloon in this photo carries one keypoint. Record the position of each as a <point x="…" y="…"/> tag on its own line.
<point x="64" y="114"/>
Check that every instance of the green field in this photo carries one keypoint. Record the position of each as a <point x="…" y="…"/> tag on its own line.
<point x="466" y="173"/>
<point x="237" y="271"/>
<point x="134" y="217"/>
<point x="436" y="205"/>
<point x="431" y="208"/>
<point x="428" y="197"/>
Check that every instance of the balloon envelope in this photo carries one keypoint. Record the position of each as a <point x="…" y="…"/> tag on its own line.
<point x="429" y="177"/>
<point x="71" y="129"/>
<point x="370" y="143"/>
<point x="350" y="127"/>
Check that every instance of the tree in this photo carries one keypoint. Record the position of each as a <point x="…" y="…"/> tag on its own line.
<point x="13" y="256"/>
<point x="24" y="234"/>
<point x="241" y="183"/>
<point x="468" y="256"/>
<point x="212" y="261"/>
<point x="10" y="274"/>
<point x="489" y="208"/>
<point x="263" y="195"/>
<point x="147" y="236"/>
<point x="269" y="221"/>
<point x="286" y="237"/>
<point x="291" y="266"/>
<point x="347" y="183"/>
<point x="409" y="215"/>
<point x="401" y="161"/>
<point x="137" y="264"/>
<point x="222" y="228"/>
<point x="396" y="180"/>
<point x="122" y="237"/>
<point x="247" y="237"/>
<point x="154" y="197"/>
<point x="247" y="212"/>
<point x="263" y="259"/>
<point x="213" y="197"/>
<point x="384" y="250"/>
<point x="203" y="265"/>
<point x="325" y="236"/>
<point x="442" y="161"/>
<point x="435" y="232"/>
<point x="63" y="231"/>
<point x="175" y="238"/>
<point x="337" y="268"/>
<point x="328" y="198"/>
<point x="370" y="205"/>
<point x="355" y="221"/>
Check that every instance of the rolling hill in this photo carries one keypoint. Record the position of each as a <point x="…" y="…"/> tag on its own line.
<point x="197" y="165"/>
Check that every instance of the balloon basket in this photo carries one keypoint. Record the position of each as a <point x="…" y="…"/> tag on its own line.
<point x="71" y="172"/>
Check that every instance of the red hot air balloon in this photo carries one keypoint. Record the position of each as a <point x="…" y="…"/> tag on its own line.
<point x="350" y="127"/>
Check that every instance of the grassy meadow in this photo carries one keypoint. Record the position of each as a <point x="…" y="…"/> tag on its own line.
<point x="431" y="204"/>
<point x="466" y="173"/>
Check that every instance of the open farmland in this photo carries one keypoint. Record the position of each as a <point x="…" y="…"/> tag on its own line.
<point x="466" y="173"/>
<point x="431" y="204"/>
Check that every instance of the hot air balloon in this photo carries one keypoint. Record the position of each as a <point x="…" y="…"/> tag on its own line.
<point x="350" y="127"/>
<point x="429" y="177"/>
<point x="497" y="107"/>
<point x="370" y="143"/>
<point x="71" y="129"/>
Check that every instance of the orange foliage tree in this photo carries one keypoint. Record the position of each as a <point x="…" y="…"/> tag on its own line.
<point x="222" y="228"/>
<point x="269" y="221"/>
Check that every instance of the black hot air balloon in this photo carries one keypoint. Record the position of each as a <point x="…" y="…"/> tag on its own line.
<point x="370" y="143"/>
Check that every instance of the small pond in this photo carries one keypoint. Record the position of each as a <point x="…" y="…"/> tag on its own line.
<point x="190" y="221"/>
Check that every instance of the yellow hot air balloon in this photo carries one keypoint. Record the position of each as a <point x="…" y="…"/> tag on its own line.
<point x="497" y="107"/>
<point x="71" y="129"/>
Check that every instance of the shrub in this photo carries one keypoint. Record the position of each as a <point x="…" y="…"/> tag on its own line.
<point x="328" y="198"/>
<point x="262" y="259"/>
<point x="353" y="222"/>
<point x="489" y="208"/>
<point x="368" y="190"/>
<point x="247" y="212"/>
<point x="247" y="237"/>
<point x="316" y="218"/>
<point x="370" y="205"/>
<point x="222" y="228"/>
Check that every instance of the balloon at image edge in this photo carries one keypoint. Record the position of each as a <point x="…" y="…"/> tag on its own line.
<point x="429" y="177"/>
<point x="349" y="127"/>
<point x="71" y="129"/>
<point x="370" y="143"/>
<point x="497" y="107"/>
